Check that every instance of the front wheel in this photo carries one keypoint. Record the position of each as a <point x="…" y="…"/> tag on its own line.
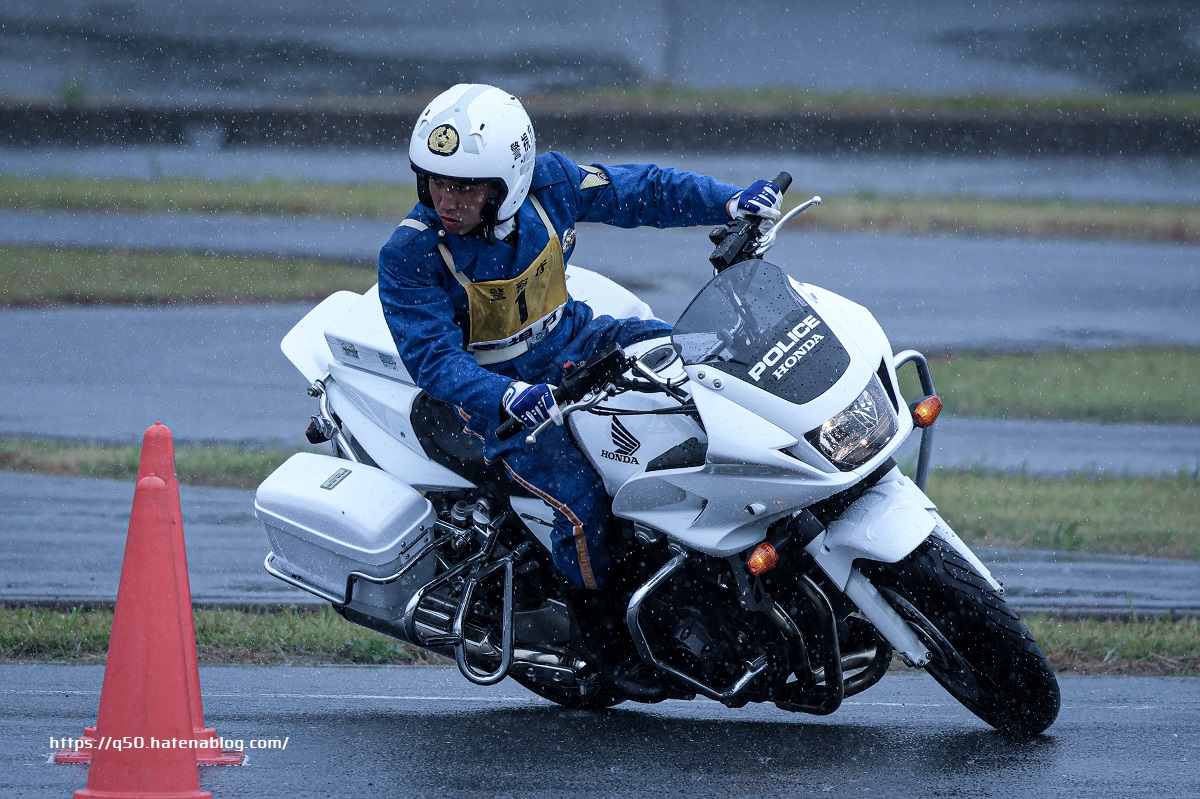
<point x="982" y="653"/>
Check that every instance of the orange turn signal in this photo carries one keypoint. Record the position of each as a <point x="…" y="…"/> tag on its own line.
<point x="925" y="412"/>
<point x="762" y="559"/>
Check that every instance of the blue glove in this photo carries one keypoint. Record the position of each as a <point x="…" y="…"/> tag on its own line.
<point x="763" y="199"/>
<point x="531" y="405"/>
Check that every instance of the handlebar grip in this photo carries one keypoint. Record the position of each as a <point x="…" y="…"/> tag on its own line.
<point x="509" y="428"/>
<point x="782" y="180"/>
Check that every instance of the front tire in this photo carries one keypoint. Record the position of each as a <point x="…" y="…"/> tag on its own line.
<point x="982" y="653"/>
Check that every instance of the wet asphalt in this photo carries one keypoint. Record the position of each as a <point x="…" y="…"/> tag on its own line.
<point x="426" y="732"/>
<point x="256" y="52"/>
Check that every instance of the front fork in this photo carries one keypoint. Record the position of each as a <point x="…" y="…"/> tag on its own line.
<point x="886" y="620"/>
<point x="886" y="524"/>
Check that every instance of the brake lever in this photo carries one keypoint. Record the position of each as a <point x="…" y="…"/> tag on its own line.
<point x="767" y="240"/>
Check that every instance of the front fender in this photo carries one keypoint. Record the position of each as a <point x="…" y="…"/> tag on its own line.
<point x="885" y="524"/>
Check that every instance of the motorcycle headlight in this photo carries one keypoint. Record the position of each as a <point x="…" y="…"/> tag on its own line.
<point x="858" y="433"/>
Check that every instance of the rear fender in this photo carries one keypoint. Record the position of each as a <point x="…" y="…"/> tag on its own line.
<point x="305" y="345"/>
<point x="381" y="443"/>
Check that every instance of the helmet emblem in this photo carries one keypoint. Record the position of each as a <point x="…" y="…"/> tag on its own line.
<point x="443" y="140"/>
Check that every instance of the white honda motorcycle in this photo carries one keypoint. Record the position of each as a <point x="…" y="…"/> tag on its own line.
<point x="765" y="545"/>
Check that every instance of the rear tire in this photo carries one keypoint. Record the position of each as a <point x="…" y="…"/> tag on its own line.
<point x="982" y="653"/>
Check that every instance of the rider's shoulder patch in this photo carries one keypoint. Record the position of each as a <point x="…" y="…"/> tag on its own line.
<point x="413" y="233"/>
<point x="594" y="177"/>
<point x="412" y="228"/>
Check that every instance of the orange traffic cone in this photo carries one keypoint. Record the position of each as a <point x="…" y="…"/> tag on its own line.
<point x="145" y="740"/>
<point x="158" y="459"/>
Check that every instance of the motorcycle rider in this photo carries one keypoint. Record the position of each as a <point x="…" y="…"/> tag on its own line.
<point x="474" y="292"/>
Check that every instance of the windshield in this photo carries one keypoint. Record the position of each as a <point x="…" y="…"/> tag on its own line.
<point x="750" y="323"/>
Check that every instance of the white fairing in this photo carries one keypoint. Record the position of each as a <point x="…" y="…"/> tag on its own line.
<point x="538" y="518"/>
<point x="605" y="296"/>
<point x="619" y="447"/>
<point x="886" y="523"/>
<point x="305" y="345"/>
<point x="376" y="410"/>
<point x="749" y="463"/>
<point x="851" y="321"/>
<point x="758" y="467"/>
<point x="706" y="506"/>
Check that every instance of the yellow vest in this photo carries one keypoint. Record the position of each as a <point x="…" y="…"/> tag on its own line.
<point x="507" y="317"/>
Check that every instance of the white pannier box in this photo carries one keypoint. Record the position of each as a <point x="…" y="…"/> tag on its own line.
<point x="328" y="517"/>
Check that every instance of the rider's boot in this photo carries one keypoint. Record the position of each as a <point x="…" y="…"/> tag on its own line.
<point x="606" y="640"/>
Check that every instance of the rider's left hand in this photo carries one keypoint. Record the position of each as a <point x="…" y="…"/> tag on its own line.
<point x="531" y="405"/>
<point x="762" y="199"/>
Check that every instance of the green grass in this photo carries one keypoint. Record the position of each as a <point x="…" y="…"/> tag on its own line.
<point x="287" y="198"/>
<point x="1117" y="515"/>
<point x="923" y="215"/>
<point x="1152" y="647"/>
<point x="1160" y="222"/>
<point x="1157" y="385"/>
<point x="210" y="465"/>
<point x="320" y="636"/>
<point x="222" y="636"/>
<point x="35" y="276"/>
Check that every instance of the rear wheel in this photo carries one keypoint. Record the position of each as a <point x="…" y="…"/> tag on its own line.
<point x="981" y="651"/>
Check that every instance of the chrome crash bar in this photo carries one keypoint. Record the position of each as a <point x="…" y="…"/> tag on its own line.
<point x="632" y="619"/>
<point x="477" y="569"/>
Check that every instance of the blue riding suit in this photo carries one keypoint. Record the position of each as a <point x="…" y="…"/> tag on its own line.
<point x="426" y="308"/>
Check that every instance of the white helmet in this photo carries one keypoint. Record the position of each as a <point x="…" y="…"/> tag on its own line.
<point x="475" y="132"/>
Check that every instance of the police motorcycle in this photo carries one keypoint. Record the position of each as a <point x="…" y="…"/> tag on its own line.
<point x="766" y="547"/>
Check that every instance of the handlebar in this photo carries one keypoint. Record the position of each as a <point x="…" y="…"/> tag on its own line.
<point x="735" y="240"/>
<point x="509" y="428"/>
<point x="578" y="380"/>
